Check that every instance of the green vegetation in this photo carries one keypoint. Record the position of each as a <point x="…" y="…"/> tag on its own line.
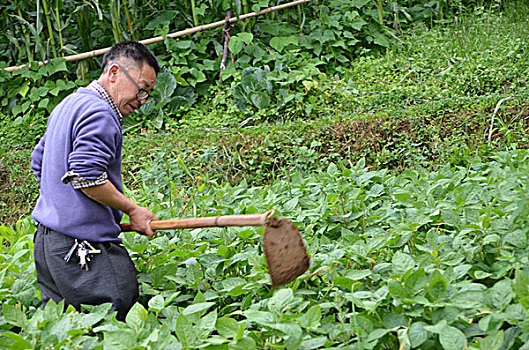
<point x="405" y="168"/>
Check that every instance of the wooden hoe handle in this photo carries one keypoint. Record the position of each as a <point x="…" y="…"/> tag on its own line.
<point x="209" y="221"/>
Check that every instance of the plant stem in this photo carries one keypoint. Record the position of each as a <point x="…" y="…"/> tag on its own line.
<point x="380" y="12"/>
<point x="194" y="13"/>
<point x="50" y="28"/>
<point x="114" y="17"/>
<point x="59" y="26"/>
<point x="129" y="21"/>
<point x="26" y="36"/>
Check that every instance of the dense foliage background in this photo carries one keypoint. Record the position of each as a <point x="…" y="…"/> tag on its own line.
<point x="393" y="134"/>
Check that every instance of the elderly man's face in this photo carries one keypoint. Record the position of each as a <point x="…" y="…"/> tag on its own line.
<point x="127" y="99"/>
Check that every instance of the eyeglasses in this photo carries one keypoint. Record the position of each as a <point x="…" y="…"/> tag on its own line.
<point x="142" y="94"/>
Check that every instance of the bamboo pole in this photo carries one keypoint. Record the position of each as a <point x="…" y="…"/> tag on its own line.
<point x="173" y="35"/>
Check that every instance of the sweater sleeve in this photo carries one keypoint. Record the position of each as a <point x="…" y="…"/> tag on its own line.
<point x="96" y="139"/>
<point x="36" y="157"/>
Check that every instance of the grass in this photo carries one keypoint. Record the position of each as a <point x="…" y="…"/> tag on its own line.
<point x="414" y="105"/>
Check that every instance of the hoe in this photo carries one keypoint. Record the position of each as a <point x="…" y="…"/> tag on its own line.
<point x="285" y="253"/>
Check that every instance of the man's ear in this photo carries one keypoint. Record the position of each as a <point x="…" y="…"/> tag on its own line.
<point x="112" y="72"/>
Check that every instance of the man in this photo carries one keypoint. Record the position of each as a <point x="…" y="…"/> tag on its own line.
<point x="78" y="254"/>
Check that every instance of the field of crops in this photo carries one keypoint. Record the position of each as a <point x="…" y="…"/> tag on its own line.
<point x="394" y="136"/>
<point x="429" y="260"/>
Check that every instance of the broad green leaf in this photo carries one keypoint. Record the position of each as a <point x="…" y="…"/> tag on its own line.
<point x="96" y="313"/>
<point x="156" y="303"/>
<point x="359" y="3"/>
<point x="437" y="286"/>
<point x="344" y="282"/>
<point x="260" y="317"/>
<point x="246" y="37"/>
<point x="259" y="99"/>
<point x="397" y="291"/>
<point x="121" y="339"/>
<point x="468" y="299"/>
<point x="165" y="85"/>
<point x="227" y="327"/>
<point x="313" y="316"/>
<point x="401" y="263"/>
<point x="293" y="330"/>
<point x="194" y="275"/>
<point x="452" y="338"/>
<point x="521" y="287"/>
<point x="500" y="295"/>
<point x="185" y="331"/>
<point x="437" y="328"/>
<point x="415" y="281"/>
<point x="280" y="42"/>
<point x="136" y="317"/>
<point x="417" y="334"/>
<point x="358" y="274"/>
<point x="403" y="196"/>
<point x="14" y="315"/>
<point x="377" y="334"/>
<point x="235" y="45"/>
<point x="243" y="344"/>
<point x="314" y="343"/>
<point x="17" y="343"/>
<point x="207" y="324"/>
<point x="195" y="308"/>
<point x="493" y="341"/>
<point x="393" y="320"/>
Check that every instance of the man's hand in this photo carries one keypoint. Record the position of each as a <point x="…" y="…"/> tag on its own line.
<point x="108" y="195"/>
<point x="140" y="219"/>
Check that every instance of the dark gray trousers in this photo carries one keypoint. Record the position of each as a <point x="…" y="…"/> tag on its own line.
<point x="111" y="277"/>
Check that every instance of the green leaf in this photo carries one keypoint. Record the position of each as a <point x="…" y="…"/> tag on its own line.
<point x="227" y="327"/>
<point x="280" y="42"/>
<point x="314" y="343"/>
<point x="165" y="85"/>
<point x="243" y="344"/>
<point x="235" y="45"/>
<point x="452" y="338"/>
<point x="18" y="343"/>
<point x="195" y="308"/>
<point x="120" y="339"/>
<point x="194" y="275"/>
<point x="401" y="263"/>
<point x="377" y="334"/>
<point x="415" y="281"/>
<point x="417" y="334"/>
<point x="23" y="90"/>
<point x="437" y="286"/>
<point x="437" y="328"/>
<point x="313" y="316"/>
<point x="397" y="291"/>
<point x="292" y="330"/>
<point x="207" y="324"/>
<point x="280" y="300"/>
<point x="259" y="99"/>
<point x="246" y="37"/>
<point x="156" y="303"/>
<point x="493" y="341"/>
<point x="521" y="287"/>
<point x="500" y="295"/>
<point x="260" y="317"/>
<point x="359" y="4"/>
<point x="14" y="315"/>
<point x="185" y="331"/>
<point x="136" y="317"/>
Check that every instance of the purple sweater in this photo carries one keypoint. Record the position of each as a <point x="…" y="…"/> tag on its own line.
<point x="83" y="136"/>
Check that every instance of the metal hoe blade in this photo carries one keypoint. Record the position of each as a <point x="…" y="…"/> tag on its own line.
<point x="285" y="252"/>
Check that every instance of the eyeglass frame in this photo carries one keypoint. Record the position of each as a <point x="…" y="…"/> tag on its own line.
<point x="140" y="89"/>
